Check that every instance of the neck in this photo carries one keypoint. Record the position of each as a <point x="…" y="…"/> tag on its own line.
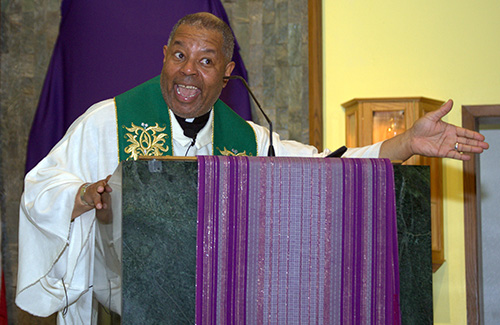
<point x="191" y="126"/>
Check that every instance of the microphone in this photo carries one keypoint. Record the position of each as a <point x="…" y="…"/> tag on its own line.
<point x="337" y="153"/>
<point x="270" y="152"/>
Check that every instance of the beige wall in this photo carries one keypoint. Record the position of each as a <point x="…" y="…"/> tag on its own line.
<point x="438" y="49"/>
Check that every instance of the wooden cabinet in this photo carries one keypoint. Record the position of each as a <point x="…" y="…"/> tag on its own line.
<point x="370" y="120"/>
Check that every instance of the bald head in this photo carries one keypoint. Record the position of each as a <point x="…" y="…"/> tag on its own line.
<point x="205" y="20"/>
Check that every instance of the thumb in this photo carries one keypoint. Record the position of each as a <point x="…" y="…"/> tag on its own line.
<point x="441" y="112"/>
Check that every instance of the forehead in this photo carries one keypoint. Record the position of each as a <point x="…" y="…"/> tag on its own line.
<point x="188" y="36"/>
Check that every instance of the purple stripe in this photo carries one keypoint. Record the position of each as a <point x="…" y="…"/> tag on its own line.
<point x="344" y="204"/>
<point x="366" y="237"/>
<point x="374" y="270"/>
<point x="358" y="242"/>
<point x="230" y="241"/>
<point x="337" y="214"/>
<point x="199" y="239"/>
<point x="309" y="280"/>
<point x="328" y="242"/>
<point x="336" y="264"/>
<point x="386" y="299"/>
<point x="277" y="214"/>
<point x="246" y="199"/>
<point x="261" y="240"/>
<point x="234" y="226"/>
<point x="389" y="276"/>
<point x="270" y="243"/>
<point x="213" y="302"/>
<point x="320" y="241"/>
<point x="321" y="230"/>
<point x="391" y="209"/>
<point x="376" y="193"/>
<point x="225" y="245"/>
<point x="359" y="218"/>
<point x="349" y="245"/>
<point x="207" y="240"/>
<point x="287" y="279"/>
<point x="300" y="265"/>
<point x="379" y="251"/>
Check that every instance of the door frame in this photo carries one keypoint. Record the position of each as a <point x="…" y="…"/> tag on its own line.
<point x="472" y="115"/>
<point x="315" y="32"/>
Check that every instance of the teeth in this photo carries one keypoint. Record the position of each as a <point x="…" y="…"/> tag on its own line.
<point x="186" y="87"/>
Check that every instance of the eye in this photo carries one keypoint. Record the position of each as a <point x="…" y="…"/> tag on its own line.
<point x="179" y="55"/>
<point x="206" y="61"/>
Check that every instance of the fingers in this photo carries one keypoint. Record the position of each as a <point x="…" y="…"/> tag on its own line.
<point x="471" y="145"/>
<point x="105" y="215"/>
<point x="470" y="142"/>
<point x="102" y="185"/>
<point x="93" y="195"/>
<point x="465" y="146"/>
<point x="454" y="154"/>
<point x="469" y="134"/>
<point x="96" y="198"/>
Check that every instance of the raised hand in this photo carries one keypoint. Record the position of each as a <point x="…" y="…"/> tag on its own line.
<point x="92" y="196"/>
<point x="431" y="136"/>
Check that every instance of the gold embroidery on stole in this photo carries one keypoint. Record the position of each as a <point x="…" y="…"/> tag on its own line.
<point x="145" y="140"/>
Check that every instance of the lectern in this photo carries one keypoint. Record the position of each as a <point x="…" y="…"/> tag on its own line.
<point x="158" y="262"/>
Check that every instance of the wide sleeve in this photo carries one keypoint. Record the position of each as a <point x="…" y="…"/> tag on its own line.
<point x="371" y="151"/>
<point x="55" y="254"/>
<point x="284" y="148"/>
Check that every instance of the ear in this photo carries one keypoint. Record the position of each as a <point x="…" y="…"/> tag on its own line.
<point x="165" y="49"/>
<point x="229" y="68"/>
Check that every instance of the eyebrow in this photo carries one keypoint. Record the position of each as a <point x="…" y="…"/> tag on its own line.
<point x="206" y="50"/>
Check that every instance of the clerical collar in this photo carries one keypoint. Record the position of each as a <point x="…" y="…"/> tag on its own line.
<point x="191" y="126"/>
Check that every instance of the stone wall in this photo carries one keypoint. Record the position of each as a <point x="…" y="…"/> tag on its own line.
<point x="28" y="32"/>
<point x="273" y="39"/>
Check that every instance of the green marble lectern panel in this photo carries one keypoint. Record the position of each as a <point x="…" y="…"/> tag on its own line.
<point x="412" y="187"/>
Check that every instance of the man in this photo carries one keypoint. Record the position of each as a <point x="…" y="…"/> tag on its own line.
<point x="177" y="114"/>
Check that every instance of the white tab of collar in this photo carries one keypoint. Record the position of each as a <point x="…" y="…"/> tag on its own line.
<point x="203" y="138"/>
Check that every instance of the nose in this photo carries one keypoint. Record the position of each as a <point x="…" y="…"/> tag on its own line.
<point x="189" y="67"/>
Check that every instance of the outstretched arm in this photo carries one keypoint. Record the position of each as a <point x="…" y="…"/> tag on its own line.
<point x="432" y="137"/>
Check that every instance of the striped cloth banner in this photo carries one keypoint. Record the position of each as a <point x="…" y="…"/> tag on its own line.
<point x="296" y="241"/>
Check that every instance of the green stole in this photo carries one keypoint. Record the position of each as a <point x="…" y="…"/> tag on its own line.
<point x="145" y="129"/>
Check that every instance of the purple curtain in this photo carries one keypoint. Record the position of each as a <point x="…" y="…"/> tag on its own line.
<point x="105" y="48"/>
<point x="296" y="240"/>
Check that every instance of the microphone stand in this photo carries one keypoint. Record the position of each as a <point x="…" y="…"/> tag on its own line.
<point x="270" y="152"/>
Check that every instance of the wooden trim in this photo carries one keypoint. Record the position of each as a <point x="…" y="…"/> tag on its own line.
<point x="393" y="99"/>
<point x="470" y="120"/>
<point x="315" y="73"/>
<point x="470" y="227"/>
<point x="168" y="158"/>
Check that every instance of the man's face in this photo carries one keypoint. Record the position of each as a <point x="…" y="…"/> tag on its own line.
<point x="193" y="71"/>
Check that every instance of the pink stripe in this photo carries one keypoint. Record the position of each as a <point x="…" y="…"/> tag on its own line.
<point x="262" y="270"/>
<point x="288" y="248"/>
<point x="314" y="166"/>
<point x="243" y="197"/>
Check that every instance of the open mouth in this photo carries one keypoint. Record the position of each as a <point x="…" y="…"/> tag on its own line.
<point x="186" y="92"/>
